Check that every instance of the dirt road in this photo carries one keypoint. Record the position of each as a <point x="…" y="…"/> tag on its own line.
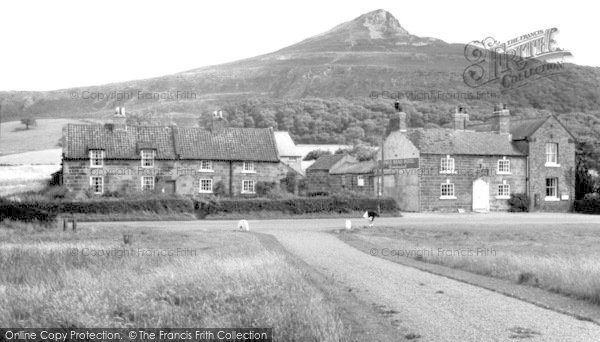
<point x="434" y="307"/>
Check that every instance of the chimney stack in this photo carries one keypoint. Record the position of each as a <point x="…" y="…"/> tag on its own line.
<point x="398" y="121"/>
<point x="501" y="119"/>
<point x="120" y="119"/>
<point x="460" y="118"/>
<point x="218" y="121"/>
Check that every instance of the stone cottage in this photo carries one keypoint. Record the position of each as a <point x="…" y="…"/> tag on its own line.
<point x="478" y="168"/>
<point x="167" y="159"/>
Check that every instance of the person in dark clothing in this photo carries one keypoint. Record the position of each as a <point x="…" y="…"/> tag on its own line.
<point x="370" y="215"/>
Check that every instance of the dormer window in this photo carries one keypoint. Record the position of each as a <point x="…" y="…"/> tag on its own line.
<point x="447" y="165"/>
<point x="96" y="158"/>
<point x="248" y="167"/>
<point x="147" y="158"/>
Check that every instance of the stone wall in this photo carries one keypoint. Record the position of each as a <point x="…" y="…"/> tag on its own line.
<point x="125" y="175"/>
<point x="467" y="170"/>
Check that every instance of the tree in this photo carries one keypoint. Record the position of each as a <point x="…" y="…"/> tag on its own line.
<point x="586" y="160"/>
<point x="28" y="122"/>
<point x="314" y="155"/>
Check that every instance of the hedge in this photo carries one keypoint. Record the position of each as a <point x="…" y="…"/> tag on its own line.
<point x="296" y="205"/>
<point x="587" y="206"/>
<point x="16" y="211"/>
<point x="47" y="211"/>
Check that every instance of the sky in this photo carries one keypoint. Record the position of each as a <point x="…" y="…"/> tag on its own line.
<point x="57" y="44"/>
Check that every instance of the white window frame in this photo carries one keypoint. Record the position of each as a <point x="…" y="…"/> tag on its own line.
<point x="447" y="165"/>
<point x="552" y="156"/>
<point x="204" y="191"/>
<point x="449" y="186"/>
<point x="503" y="191"/>
<point x="95" y="158"/>
<point x="206" y="168"/>
<point x="552" y="186"/>
<point x="248" y="167"/>
<point x="92" y="186"/>
<point x="249" y="181"/>
<point x="360" y="181"/>
<point x="500" y="170"/>
<point x="143" y="183"/>
<point x="144" y="157"/>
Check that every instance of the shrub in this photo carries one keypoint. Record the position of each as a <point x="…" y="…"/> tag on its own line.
<point x="264" y="188"/>
<point x="518" y="203"/>
<point x="26" y="212"/>
<point x="290" y="182"/>
<point x="219" y="189"/>
<point x="56" y="192"/>
<point x="589" y="205"/>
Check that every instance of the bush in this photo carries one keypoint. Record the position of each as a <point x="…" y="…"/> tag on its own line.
<point x="290" y="182"/>
<point x="26" y="212"/>
<point x="264" y="188"/>
<point x="219" y="189"/>
<point x="518" y="203"/>
<point x="305" y="205"/>
<point x="589" y="205"/>
<point x="56" y="192"/>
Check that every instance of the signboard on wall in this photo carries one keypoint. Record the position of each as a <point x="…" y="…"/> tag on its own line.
<point x="403" y="163"/>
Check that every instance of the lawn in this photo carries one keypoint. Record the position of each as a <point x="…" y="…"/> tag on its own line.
<point x="164" y="278"/>
<point x="561" y="258"/>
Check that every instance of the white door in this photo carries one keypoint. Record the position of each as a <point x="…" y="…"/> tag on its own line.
<point x="481" y="196"/>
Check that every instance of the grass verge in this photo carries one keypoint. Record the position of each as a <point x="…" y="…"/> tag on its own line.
<point x="164" y="278"/>
<point x="560" y="259"/>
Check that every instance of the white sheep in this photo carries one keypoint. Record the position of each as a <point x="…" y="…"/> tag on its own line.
<point x="243" y="225"/>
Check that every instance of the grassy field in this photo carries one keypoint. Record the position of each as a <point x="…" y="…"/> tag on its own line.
<point x="16" y="179"/>
<point x="213" y="279"/>
<point x="558" y="258"/>
<point x="45" y="135"/>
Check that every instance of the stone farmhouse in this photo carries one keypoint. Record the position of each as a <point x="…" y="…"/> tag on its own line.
<point x="478" y="168"/>
<point x="114" y="157"/>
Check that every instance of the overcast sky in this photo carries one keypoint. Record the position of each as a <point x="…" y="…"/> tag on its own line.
<point x="61" y="44"/>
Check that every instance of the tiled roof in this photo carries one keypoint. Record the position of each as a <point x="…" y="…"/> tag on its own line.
<point x="520" y="129"/>
<point x="449" y="141"/>
<point x="257" y="144"/>
<point x="353" y="168"/>
<point x="254" y="144"/>
<point x="324" y="163"/>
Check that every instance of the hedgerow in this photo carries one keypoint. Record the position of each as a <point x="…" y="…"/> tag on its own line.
<point x="299" y="205"/>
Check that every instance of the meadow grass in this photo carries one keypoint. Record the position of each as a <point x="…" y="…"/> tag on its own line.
<point x="217" y="279"/>
<point x="558" y="258"/>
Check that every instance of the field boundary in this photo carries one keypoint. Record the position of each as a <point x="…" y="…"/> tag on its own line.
<point x="576" y="308"/>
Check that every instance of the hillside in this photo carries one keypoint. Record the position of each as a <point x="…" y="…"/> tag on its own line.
<point x="319" y="88"/>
